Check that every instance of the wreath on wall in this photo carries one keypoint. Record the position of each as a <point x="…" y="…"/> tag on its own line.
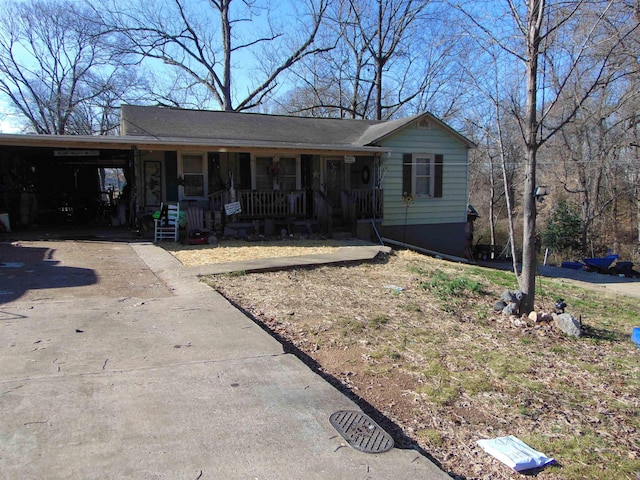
<point x="366" y="174"/>
<point x="274" y="169"/>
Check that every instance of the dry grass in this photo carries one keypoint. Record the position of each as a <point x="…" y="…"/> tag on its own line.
<point x="238" y="250"/>
<point x="417" y="338"/>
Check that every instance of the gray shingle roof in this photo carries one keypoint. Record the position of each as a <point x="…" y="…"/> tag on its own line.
<point x="247" y="128"/>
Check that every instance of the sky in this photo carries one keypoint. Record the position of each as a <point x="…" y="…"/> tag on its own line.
<point x="10" y="123"/>
<point x="7" y="121"/>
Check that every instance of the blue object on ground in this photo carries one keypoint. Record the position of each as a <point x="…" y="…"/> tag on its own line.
<point x="635" y="336"/>
<point x="600" y="263"/>
<point x="572" y="265"/>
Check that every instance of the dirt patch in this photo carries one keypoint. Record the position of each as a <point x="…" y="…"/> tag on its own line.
<point x="416" y="338"/>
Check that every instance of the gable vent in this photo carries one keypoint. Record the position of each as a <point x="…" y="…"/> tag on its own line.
<point x="424" y="124"/>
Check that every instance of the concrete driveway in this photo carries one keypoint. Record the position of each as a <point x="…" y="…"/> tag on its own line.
<point x="115" y="363"/>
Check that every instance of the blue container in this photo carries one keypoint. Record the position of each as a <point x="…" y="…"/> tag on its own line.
<point x="635" y="335"/>
<point x="572" y="265"/>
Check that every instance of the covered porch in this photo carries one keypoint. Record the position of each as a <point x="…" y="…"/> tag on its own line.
<point x="263" y="210"/>
<point x="263" y="192"/>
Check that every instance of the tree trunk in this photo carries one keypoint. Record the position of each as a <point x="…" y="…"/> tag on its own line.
<point x="527" y="279"/>
<point x="379" y="65"/>
<point x="226" y="43"/>
<point x="492" y="213"/>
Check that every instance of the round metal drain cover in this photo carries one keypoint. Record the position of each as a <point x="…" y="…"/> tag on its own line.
<point x="361" y="432"/>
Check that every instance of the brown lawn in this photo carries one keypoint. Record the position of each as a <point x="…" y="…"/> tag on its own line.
<point x="417" y="339"/>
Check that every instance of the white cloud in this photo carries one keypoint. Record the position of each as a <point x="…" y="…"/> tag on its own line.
<point x="8" y="126"/>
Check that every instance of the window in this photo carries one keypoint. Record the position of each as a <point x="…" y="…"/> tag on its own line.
<point x="422" y="175"/>
<point x="288" y="173"/>
<point x="423" y="167"/>
<point x="276" y="173"/>
<point x="264" y="173"/>
<point x="193" y="173"/>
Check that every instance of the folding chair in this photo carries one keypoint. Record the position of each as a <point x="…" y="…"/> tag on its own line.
<point x="167" y="226"/>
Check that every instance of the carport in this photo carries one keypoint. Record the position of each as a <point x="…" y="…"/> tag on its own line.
<point x="54" y="180"/>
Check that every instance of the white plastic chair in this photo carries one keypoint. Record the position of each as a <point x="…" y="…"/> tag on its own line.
<point x="167" y="226"/>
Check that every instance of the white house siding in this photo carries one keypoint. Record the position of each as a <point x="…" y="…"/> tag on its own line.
<point x="434" y="223"/>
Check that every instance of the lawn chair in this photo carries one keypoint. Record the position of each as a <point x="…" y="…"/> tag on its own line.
<point x="196" y="231"/>
<point x="168" y="224"/>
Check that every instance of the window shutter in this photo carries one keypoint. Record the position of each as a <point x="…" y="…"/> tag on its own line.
<point x="171" y="171"/>
<point x="244" y="175"/>
<point x="437" y="190"/>
<point x="407" y="174"/>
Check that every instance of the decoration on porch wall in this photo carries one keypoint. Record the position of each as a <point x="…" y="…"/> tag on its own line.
<point x="274" y="169"/>
<point x="232" y="208"/>
<point x="152" y="182"/>
<point x="366" y="174"/>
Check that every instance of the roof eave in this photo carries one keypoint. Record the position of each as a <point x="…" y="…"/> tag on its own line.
<point x="430" y="116"/>
<point x="155" y="143"/>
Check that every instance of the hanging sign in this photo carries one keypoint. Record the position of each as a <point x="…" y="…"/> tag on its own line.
<point x="232" y="208"/>
<point x="76" y="153"/>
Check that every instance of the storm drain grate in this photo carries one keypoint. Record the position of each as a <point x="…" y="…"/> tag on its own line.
<point x="361" y="432"/>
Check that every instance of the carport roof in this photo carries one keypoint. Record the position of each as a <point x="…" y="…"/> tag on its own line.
<point x="148" y="142"/>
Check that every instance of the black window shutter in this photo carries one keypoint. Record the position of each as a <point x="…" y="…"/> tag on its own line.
<point x="437" y="191"/>
<point x="171" y="170"/>
<point x="244" y="177"/>
<point x="407" y="174"/>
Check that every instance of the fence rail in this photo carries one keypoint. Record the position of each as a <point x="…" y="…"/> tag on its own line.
<point x="273" y="203"/>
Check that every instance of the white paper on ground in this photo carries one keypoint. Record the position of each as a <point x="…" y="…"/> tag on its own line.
<point x="514" y="453"/>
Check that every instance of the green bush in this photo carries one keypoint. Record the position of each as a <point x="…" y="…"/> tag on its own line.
<point x="563" y="232"/>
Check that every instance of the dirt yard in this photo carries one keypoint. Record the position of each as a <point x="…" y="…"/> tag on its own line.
<point x="416" y="338"/>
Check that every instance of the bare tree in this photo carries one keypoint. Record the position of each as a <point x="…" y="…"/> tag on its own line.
<point x="208" y="42"/>
<point x="55" y="63"/>
<point x="565" y="35"/>
<point x="393" y="57"/>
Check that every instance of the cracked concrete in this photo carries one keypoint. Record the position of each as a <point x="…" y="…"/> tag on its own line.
<point x="117" y="363"/>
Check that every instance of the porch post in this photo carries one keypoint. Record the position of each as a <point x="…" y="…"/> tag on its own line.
<point x="133" y="161"/>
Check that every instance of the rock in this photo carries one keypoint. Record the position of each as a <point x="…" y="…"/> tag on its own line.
<point x="508" y="297"/>
<point x="545" y="318"/>
<point x="512" y="301"/>
<point x="568" y="324"/>
<point x="511" y="309"/>
<point x="516" y="322"/>
<point x="499" y="306"/>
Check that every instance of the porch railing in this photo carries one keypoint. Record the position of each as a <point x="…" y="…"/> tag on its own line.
<point x="218" y="199"/>
<point x="364" y="203"/>
<point x="261" y="204"/>
<point x="323" y="211"/>
<point x="273" y="203"/>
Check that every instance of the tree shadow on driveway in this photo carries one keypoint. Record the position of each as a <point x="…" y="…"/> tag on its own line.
<point x="25" y="268"/>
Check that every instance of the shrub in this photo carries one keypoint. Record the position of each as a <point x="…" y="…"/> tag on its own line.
<point x="563" y="232"/>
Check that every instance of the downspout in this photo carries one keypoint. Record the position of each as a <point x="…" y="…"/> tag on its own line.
<point x="376" y="186"/>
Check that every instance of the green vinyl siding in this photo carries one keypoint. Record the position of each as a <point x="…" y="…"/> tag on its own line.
<point x="448" y="205"/>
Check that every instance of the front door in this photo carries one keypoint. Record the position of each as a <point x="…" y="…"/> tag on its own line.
<point x="334" y="182"/>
